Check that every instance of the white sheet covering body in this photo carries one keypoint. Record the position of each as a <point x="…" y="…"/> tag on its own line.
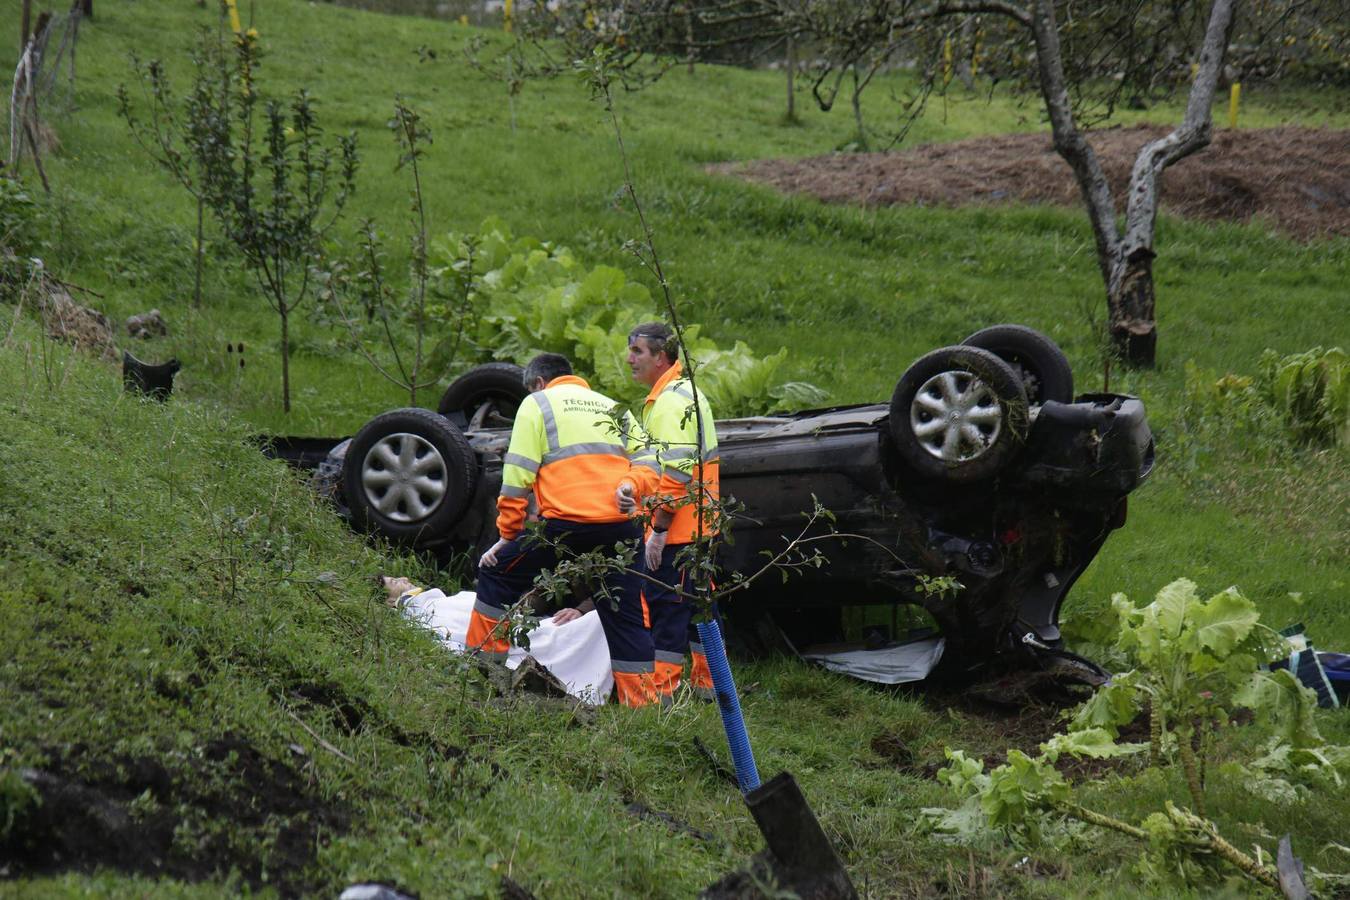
<point x="576" y="653"/>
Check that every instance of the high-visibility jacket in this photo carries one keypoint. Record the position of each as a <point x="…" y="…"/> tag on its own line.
<point x="684" y="486"/>
<point x="569" y="452"/>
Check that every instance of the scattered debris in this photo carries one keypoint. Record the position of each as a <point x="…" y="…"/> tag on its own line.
<point x="646" y="813"/>
<point x="155" y="381"/>
<point x="1290" y="870"/>
<point x="374" y="891"/>
<point x="147" y="325"/>
<point x="513" y="890"/>
<point x="719" y="767"/>
<point x="80" y="326"/>
<point x="532" y="677"/>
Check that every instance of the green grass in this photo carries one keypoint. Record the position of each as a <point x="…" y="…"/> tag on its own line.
<point x="743" y="261"/>
<point x="163" y="587"/>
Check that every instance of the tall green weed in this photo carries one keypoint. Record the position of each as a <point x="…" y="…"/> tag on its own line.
<point x="1302" y="398"/>
<point x="1311" y="391"/>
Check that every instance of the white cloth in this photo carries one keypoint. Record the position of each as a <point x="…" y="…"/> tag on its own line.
<point x="576" y="653"/>
<point x="892" y="665"/>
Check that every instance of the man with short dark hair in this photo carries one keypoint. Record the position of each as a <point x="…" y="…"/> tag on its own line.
<point x="567" y="452"/>
<point x="683" y="454"/>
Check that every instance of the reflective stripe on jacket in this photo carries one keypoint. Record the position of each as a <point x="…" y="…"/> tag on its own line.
<point x="567" y="451"/>
<point x="669" y="420"/>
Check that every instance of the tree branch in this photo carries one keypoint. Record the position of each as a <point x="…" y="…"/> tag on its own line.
<point x="1070" y="143"/>
<point x="1192" y="135"/>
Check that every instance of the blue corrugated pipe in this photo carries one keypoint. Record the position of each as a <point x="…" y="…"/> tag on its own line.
<point x="730" y="705"/>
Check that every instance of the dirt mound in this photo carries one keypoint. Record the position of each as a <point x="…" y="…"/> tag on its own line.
<point x="137" y="814"/>
<point x="1296" y="178"/>
<point x="84" y="328"/>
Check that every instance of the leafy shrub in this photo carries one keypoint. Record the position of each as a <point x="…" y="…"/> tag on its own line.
<point x="17" y="799"/>
<point x="1312" y="392"/>
<point x="1196" y="662"/>
<point x="536" y="297"/>
<point x="1303" y="397"/>
<point x="18" y="216"/>
<point x="18" y="238"/>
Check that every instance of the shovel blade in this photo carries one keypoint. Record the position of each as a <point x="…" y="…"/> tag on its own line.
<point x="802" y="857"/>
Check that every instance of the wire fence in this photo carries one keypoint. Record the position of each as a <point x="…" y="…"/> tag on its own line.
<point x="38" y="83"/>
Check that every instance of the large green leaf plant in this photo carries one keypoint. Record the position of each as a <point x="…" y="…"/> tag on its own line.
<point x="1196" y="662"/>
<point x="534" y="296"/>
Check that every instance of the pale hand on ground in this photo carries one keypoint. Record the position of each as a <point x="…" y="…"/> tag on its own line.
<point x="563" y="616"/>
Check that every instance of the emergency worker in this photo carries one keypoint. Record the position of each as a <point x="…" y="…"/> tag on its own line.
<point x="678" y="497"/>
<point x="567" y="452"/>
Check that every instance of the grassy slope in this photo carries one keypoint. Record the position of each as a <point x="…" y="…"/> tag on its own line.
<point x="860" y="293"/>
<point x="857" y="294"/>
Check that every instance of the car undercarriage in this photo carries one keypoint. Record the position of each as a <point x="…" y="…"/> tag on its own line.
<point x="980" y="493"/>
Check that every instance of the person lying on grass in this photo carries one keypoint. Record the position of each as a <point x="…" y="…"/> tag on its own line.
<point x="399" y="587"/>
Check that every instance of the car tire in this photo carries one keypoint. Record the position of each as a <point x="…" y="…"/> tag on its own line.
<point x="958" y="415"/>
<point x="485" y="396"/>
<point x="409" y="475"/>
<point x="1037" y="360"/>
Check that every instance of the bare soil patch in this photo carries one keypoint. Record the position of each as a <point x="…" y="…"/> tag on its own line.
<point x="1018" y="710"/>
<point x="1298" y="179"/>
<point x="231" y="809"/>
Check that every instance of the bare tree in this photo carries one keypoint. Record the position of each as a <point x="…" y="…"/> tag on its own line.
<point x="1126" y="255"/>
<point x="279" y="194"/>
<point x="1084" y="58"/>
<point x="1134" y="46"/>
<point x="188" y="138"/>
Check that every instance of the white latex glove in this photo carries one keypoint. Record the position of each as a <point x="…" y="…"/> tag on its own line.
<point x="490" y="557"/>
<point x="655" y="545"/>
<point x="563" y="616"/>
<point x="625" y="499"/>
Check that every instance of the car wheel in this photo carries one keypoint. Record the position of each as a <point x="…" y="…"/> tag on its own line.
<point x="486" y="396"/>
<point x="958" y="414"/>
<point x="1037" y="360"/>
<point x="409" y="475"/>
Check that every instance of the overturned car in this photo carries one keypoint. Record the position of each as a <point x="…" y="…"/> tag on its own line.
<point x="984" y="475"/>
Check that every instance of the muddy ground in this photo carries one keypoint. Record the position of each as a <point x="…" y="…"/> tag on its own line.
<point x="1296" y="179"/>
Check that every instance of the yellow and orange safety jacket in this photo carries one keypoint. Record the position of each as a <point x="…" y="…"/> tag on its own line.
<point x="673" y="429"/>
<point x="567" y="450"/>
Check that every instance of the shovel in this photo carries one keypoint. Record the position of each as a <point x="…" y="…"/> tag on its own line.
<point x="799" y="855"/>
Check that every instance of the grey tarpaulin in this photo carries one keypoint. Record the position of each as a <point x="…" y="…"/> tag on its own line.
<point x="912" y="661"/>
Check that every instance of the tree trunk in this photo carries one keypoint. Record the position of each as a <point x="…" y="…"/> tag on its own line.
<point x="24" y="22"/>
<point x="1070" y="144"/>
<point x="87" y="8"/>
<point x="857" y="109"/>
<point x="285" y="360"/>
<point x="197" y="275"/>
<point x="689" y="51"/>
<point x="1126" y="260"/>
<point x="1129" y="286"/>
<point x="791" y="75"/>
<point x="1130" y="305"/>
<point x="963" y="71"/>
